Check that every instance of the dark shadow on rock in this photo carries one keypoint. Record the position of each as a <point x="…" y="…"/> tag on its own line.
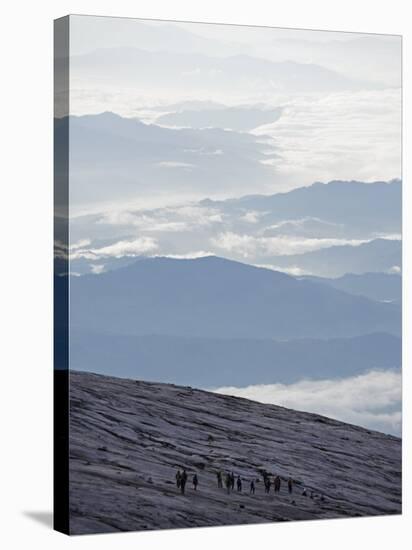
<point x="44" y="518"/>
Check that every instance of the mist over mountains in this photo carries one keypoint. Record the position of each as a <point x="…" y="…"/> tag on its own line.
<point x="149" y="159"/>
<point x="377" y="255"/>
<point x="239" y="118"/>
<point x="200" y="249"/>
<point x="369" y="57"/>
<point x="212" y="322"/>
<point x="325" y="230"/>
<point x="204" y="73"/>
<point x="365" y="205"/>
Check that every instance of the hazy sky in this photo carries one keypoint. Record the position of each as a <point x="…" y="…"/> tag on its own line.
<point x="368" y="56"/>
<point x="338" y="93"/>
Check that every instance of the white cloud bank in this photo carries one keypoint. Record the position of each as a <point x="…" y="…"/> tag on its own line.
<point x="136" y="247"/>
<point x="188" y="255"/>
<point x="294" y="270"/>
<point x="338" y="136"/>
<point x="249" y="246"/>
<point x="372" y="400"/>
<point x="179" y="218"/>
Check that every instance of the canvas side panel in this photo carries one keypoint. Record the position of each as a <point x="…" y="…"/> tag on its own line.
<point x="61" y="270"/>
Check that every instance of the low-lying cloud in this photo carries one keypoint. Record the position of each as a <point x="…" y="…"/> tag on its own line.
<point x="339" y="136"/>
<point x="135" y="247"/>
<point x="248" y="246"/>
<point x="371" y="400"/>
<point x="170" y="219"/>
<point x="293" y="270"/>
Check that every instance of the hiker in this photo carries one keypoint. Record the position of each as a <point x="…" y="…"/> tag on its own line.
<point x="304" y="492"/>
<point x="232" y="481"/>
<point x="228" y="482"/>
<point x="277" y="484"/>
<point x="183" y="479"/>
<point x="239" y="484"/>
<point x="219" y="480"/>
<point x="290" y="485"/>
<point x="195" y="482"/>
<point x="252" y="487"/>
<point x="266" y="481"/>
<point x="178" y="478"/>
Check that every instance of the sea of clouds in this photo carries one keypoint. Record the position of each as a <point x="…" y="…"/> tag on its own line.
<point x="372" y="400"/>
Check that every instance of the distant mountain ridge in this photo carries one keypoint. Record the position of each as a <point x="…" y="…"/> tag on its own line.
<point x="205" y="72"/>
<point x="365" y="207"/>
<point x="379" y="255"/>
<point x="362" y="220"/>
<point x="214" y="297"/>
<point x="107" y="147"/>
<point x="216" y="362"/>
<point x="376" y="286"/>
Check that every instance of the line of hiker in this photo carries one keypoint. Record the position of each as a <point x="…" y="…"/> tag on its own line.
<point x="276" y="483"/>
<point x="229" y="481"/>
<point x="181" y="480"/>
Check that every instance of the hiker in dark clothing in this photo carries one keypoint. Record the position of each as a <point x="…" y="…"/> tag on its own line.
<point x="232" y="481"/>
<point x="266" y="481"/>
<point x="252" y="487"/>
<point x="219" y="480"/>
<point x="290" y="485"/>
<point x="178" y="479"/>
<point x="228" y="482"/>
<point x="239" y="484"/>
<point x="195" y="482"/>
<point x="277" y="484"/>
<point x="183" y="479"/>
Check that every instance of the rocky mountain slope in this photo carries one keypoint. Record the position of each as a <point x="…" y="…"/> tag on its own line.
<point x="128" y="438"/>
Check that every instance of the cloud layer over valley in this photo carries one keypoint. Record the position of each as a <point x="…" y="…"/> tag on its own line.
<point x="372" y="400"/>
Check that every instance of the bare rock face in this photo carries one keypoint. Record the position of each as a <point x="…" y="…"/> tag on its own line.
<point x="129" y="438"/>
